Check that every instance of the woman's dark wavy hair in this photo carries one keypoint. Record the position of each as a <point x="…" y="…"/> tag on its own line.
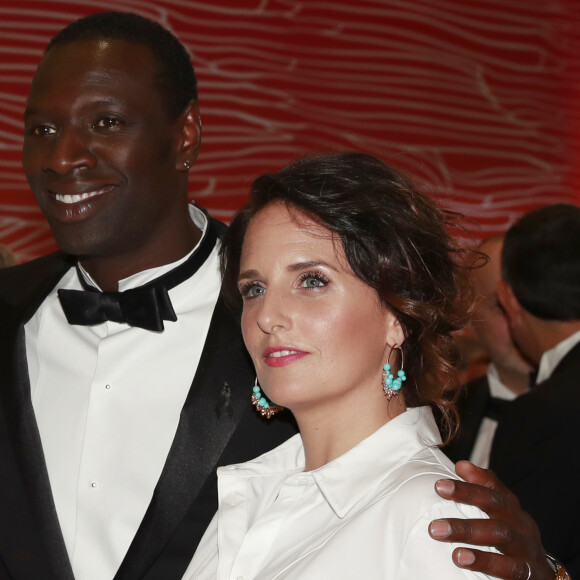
<point x="395" y="240"/>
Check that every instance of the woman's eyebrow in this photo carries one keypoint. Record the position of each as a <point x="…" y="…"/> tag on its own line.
<point x="305" y="265"/>
<point x="248" y="274"/>
<point x="296" y="267"/>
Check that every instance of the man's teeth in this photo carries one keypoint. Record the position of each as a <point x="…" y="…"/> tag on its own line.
<point x="75" y="198"/>
<point x="280" y="353"/>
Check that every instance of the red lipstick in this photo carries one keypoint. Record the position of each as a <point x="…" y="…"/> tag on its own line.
<point x="279" y="356"/>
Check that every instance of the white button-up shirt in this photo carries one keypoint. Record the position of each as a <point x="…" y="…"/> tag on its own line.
<point x="363" y="515"/>
<point x="107" y="400"/>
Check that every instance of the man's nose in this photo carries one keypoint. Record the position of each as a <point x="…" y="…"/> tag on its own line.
<point x="69" y="149"/>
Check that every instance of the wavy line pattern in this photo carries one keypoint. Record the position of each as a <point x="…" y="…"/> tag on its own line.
<point x="476" y="99"/>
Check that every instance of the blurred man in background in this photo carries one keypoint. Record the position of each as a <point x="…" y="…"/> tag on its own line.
<point x="537" y="442"/>
<point x="508" y="373"/>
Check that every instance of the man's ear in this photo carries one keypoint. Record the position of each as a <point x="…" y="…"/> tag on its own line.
<point x="509" y="302"/>
<point x="189" y="137"/>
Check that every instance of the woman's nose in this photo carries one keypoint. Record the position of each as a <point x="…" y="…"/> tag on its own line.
<point x="275" y="312"/>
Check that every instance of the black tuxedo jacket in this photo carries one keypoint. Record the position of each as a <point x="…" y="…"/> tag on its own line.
<point x="471" y="405"/>
<point x="536" y="453"/>
<point x="218" y="425"/>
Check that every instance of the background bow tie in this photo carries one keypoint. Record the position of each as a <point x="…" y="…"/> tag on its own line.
<point x="495" y="407"/>
<point x="146" y="306"/>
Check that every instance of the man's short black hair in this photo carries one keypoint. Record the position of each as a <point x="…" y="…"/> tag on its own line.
<point x="175" y="75"/>
<point x="541" y="261"/>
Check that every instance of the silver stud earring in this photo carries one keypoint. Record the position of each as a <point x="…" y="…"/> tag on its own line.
<point x="187" y="164"/>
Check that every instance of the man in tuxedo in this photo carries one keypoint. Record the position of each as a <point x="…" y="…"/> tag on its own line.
<point x="114" y="419"/>
<point x="508" y="374"/>
<point x="536" y="443"/>
<point x="124" y="379"/>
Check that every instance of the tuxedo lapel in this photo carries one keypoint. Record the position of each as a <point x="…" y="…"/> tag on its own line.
<point x="471" y="406"/>
<point x="31" y="543"/>
<point x="570" y="361"/>
<point x="210" y="415"/>
<point x="520" y="442"/>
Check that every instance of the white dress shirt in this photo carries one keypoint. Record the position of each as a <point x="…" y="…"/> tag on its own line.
<point x="551" y="358"/>
<point x="482" y="446"/>
<point x="363" y="515"/>
<point x="107" y="400"/>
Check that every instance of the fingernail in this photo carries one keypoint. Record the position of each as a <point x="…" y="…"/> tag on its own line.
<point x="440" y="529"/>
<point x="465" y="557"/>
<point x="445" y="486"/>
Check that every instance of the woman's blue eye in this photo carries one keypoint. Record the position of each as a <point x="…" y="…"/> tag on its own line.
<point x="310" y="280"/>
<point x="252" y="290"/>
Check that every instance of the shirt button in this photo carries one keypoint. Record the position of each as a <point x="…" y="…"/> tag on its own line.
<point x="287" y="502"/>
<point x="107" y="387"/>
<point x="94" y="484"/>
<point x="240" y="578"/>
<point x="303" y="481"/>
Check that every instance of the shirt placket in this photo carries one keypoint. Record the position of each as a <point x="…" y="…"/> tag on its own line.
<point x="267" y="530"/>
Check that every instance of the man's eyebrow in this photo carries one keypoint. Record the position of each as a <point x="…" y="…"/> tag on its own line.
<point x="29" y="111"/>
<point x="101" y="101"/>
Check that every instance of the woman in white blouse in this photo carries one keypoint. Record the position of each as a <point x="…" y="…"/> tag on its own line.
<point x="350" y="289"/>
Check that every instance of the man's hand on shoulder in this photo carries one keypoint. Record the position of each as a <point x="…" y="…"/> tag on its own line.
<point x="511" y="530"/>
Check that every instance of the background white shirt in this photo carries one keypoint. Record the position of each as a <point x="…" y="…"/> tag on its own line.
<point x="107" y="400"/>
<point x="551" y="358"/>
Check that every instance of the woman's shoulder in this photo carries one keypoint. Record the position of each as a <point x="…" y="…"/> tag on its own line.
<point x="406" y="503"/>
<point x="412" y="484"/>
<point x="421" y="470"/>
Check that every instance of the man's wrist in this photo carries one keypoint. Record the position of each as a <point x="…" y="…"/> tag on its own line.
<point x="559" y="570"/>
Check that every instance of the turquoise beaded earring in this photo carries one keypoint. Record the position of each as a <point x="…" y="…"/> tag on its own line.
<point x="263" y="406"/>
<point x="392" y="385"/>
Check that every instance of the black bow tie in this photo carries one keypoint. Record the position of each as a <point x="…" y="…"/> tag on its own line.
<point x="495" y="407"/>
<point x="146" y="306"/>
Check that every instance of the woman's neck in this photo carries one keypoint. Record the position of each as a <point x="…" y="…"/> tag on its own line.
<point x="328" y="433"/>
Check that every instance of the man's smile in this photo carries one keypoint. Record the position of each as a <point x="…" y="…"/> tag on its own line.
<point x="76" y="197"/>
<point x="76" y="202"/>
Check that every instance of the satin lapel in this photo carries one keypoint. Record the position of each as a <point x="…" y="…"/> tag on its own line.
<point x="31" y="543"/>
<point x="211" y="413"/>
<point x="471" y="406"/>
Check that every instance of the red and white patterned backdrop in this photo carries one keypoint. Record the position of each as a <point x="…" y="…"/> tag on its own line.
<point x="477" y="99"/>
